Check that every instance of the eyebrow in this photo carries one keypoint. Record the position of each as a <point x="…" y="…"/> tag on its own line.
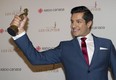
<point x="77" y="19"/>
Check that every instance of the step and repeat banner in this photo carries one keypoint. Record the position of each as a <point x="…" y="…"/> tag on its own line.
<point x="49" y="23"/>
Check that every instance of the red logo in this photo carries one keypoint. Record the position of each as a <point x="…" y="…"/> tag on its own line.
<point x="1" y="30"/>
<point x="38" y="48"/>
<point x="40" y="10"/>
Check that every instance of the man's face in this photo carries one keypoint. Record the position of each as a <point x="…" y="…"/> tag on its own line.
<point x="78" y="25"/>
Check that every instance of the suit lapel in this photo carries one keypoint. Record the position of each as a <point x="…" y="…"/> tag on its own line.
<point x="78" y="49"/>
<point x="96" y="51"/>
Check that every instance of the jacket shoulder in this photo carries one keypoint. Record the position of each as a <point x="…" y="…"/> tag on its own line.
<point x="67" y="41"/>
<point x="103" y="40"/>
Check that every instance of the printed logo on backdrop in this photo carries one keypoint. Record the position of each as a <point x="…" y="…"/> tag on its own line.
<point x="7" y="50"/>
<point x="1" y="30"/>
<point x="96" y="7"/>
<point x="41" y="10"/>
<point x="39" y="48"/>
<point x="53" y="28"/>
<point x="14" y="12"/>
<point x="9" y="69"/>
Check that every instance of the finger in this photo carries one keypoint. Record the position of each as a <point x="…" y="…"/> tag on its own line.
<point x="15" y="21"/>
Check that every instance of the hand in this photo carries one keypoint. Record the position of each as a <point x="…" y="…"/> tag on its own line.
<point x="19" y="23"/>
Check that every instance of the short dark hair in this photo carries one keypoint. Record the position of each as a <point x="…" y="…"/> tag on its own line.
<point x="88" y="16"/>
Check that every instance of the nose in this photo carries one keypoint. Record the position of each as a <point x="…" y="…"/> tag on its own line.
<point x="73" y="25"/>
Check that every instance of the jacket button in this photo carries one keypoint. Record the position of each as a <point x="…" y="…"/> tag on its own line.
<point x="88" y="71"/>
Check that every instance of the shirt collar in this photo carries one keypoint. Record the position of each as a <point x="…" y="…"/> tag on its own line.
<point x="89" y="37"/>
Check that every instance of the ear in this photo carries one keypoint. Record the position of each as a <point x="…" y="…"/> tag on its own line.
<point x="89" y="24"/>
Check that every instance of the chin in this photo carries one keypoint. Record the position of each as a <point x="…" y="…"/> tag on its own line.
<point x="75" y="35"/>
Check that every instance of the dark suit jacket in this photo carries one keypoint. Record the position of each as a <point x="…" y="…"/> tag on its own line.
<point x="69" y="54"/>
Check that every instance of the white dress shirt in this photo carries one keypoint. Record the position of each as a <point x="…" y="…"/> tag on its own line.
<point x="90" y="45"/>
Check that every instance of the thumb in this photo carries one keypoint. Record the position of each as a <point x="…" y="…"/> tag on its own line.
<point x="23" y="22"/>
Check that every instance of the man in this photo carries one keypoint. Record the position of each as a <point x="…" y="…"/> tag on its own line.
<point x="99" y="53"/>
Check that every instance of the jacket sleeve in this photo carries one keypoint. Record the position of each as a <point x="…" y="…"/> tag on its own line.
<point x="37" y="58"/>
<point x="113" y="60"/>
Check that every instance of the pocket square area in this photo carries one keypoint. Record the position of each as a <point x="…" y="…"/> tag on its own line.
<point x="103" y="48"/>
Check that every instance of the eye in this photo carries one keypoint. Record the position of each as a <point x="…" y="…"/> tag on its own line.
<point x="78" y="21"/>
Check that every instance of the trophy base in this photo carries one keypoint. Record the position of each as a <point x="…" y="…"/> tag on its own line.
<point x="12" y="30"/>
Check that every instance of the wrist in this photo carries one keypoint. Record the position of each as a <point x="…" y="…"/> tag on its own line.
<point x="18" y="36"/>
<point x="20" y="31"/>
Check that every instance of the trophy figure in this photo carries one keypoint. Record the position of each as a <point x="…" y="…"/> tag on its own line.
<point x="12" y="30"/>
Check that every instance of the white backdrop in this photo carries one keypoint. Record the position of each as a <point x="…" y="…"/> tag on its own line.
<point x="49" y="23"/>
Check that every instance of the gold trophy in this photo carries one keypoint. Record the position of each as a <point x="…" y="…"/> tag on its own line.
<point x="12" y="30"/>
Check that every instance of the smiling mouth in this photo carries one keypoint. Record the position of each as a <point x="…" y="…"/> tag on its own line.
<point x="75" y="30"/>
